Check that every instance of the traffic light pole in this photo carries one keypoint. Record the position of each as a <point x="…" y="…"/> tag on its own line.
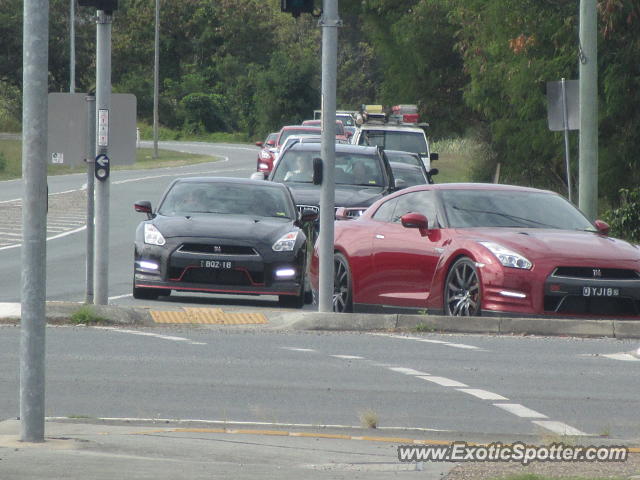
<point x="330" y="23"/>
<point x="103" y="104"/>
<point x="34" y="219"/>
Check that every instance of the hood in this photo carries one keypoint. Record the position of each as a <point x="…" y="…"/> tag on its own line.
<point x="242" y="227"/>
<point x="345" y="195"/>
<point x="538" y="244"/>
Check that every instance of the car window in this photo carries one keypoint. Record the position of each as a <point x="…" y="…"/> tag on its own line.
<point x="490" y="208"/>
<point x="385" y="211"/>
<point x="188" y="198"/>
<point x="423" y="202"/>
<point x="402" y="157"/>
<point x="408" y="177"/>
<point x="395" y="140"/>
<point x="350" y="168"/>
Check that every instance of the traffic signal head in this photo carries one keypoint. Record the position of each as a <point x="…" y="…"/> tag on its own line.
<point x="107" y="5"/>
<point x="296" y="7"/>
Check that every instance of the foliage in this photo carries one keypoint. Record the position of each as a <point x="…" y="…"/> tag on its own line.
<point x="3" y="163"/>
<point x="625" y="220"/>
<point x="87" y="315"/>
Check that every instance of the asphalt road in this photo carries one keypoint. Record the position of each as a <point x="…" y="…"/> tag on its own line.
<point x="66" y="246"/>
<point x="492" y="386"/>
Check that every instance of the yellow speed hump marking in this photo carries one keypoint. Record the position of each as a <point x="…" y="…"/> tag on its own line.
<point x="207" y="316"/>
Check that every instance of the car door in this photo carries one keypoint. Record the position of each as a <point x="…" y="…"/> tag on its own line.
<point x="403" y="259"/>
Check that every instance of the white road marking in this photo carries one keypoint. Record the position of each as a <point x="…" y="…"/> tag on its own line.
<point x="150" y="334"/>
<point x="70" y="232"/>
<point x="429" y="340"/>
<point x="348" y="357"/>
<point x="625" y="357"/>
<point x="482" y="394"/>
<point x="519" y="410"/>
<point x="408" y="371"/>
<point x="559" y="428"/>
<point x="121" y="296"/>
<point x="295" y="349"/>
<point x="444" y="381"/>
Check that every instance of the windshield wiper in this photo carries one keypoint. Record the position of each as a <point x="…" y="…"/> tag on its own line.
<point x="505" y="215"/>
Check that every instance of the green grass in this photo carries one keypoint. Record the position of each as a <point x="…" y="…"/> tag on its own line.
<point x="530" y="476"/>
<point x="86" y="315"/>
<point x="11" y="152"/>
<point x="459" y="158"/>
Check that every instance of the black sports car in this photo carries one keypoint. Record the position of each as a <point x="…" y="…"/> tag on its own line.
<point x="222" y="235"/>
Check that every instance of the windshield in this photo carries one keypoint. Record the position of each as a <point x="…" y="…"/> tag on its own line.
<point x="492" y="208"/>
<point x="403" y="157"/>
<point x="394" y="140"/>
<point x="350" y="169"/>
<point x="188" y="198"/>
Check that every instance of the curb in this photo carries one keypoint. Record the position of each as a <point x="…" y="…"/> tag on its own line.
<point x="59" y="313"/>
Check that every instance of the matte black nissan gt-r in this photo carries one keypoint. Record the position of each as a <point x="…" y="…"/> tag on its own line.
<point x="222" y="235"/>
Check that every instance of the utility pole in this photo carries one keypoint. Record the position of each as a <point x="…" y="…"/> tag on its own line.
<point x="330" y="23"/>
<point x="35" y="63"/>
<point x="103" y="104"/>
<point x="156" y="80"/>
<point x="588" y="99"/>
<point x="72" y="46"/>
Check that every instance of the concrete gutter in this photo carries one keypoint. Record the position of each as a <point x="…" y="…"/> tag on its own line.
<point x="62" y="312"/>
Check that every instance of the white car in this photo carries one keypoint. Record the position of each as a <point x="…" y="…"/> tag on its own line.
<point x="407" y="138"/>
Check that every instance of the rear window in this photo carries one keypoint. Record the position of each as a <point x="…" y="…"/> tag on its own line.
<point x="393" y="140"/>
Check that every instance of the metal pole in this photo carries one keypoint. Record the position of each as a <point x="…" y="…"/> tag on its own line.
<point x="565" y="123"/>
<point x="588" y="99"/>
<point x="330" y="23"/>
<point x="34" y="219"/>
<point x="156" y="81"/>
<point x="72" y="46"/>
<point x="91" y="148"/>
<point x="103" y="103"/>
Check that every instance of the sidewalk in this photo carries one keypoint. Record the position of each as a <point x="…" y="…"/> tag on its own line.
<point x="162" y="314"/>
<point x="84" y="451"/>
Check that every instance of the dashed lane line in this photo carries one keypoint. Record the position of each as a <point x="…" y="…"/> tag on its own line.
<point x="150" y="334"/>
<point x="520" y="410"/>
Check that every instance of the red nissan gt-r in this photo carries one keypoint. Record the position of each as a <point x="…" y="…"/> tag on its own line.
<point x="481" y="249"/>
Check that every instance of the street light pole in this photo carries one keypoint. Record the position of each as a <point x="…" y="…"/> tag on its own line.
<point x="72" y="46"/>
<point x="156" y="80"/>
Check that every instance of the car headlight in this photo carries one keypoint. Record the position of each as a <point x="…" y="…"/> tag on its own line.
<point x="286" y="243"/>
<point x="152" y="235"/>
<point x="265" y="155"/>
<point x="507" y="258"/>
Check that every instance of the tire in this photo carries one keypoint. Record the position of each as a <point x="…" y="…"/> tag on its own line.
<point x="342" y="285"/>
<point x="292" y="301"/>
<point x="462" y="290"/>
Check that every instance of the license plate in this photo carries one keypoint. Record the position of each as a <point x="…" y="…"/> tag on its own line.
<point x="216" y="264"/>
<point x="600" y="292"/>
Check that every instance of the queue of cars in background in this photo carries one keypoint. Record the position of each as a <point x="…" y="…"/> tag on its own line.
<point x="481" y="249"/>
<point x="222" y="235"/>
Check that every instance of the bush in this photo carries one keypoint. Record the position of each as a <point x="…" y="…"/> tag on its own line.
<point x="3" y="162"/>
<point x="625" y="220"/>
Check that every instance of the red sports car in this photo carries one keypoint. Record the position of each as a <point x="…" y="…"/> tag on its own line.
<point x="481" y="249"/>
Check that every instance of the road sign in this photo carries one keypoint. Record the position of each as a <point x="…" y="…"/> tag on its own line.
<point x="102" y="167"/>
<point x="556" y="108"/>
<point x="67" y="129"/>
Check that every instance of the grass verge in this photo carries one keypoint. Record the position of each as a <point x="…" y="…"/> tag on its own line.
<point x="11" y="166"/>
<point x="86" y="315"/>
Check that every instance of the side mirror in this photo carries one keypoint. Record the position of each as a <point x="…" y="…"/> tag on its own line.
<point x="416" y="220"/>
<point x="259" y="144"/>
<point x="434" y="171"/>
<point x="433" y="156"/>
<point x="144" y="206"/>
<point x="603" y="227"/>
<point x="317" y="171"/>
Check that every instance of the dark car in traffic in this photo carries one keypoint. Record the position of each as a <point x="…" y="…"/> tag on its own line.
<point x="362" y="175"/>
<point x="222" y="235"/>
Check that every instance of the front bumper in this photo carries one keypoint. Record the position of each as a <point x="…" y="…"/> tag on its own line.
<point x="246" y="271"/>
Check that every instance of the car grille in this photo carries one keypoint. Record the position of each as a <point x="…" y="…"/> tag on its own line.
<point x="568" y="299"/>
<point x="209" y="249"/>
<point x="239" y="278"/>
<point x="315" y="208"/>
<point x="597" y="273"/>
<point x="576" y="305"/>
